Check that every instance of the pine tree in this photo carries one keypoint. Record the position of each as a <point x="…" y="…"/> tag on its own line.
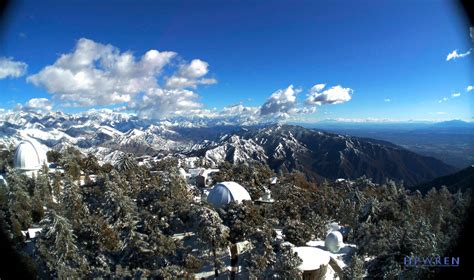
<point x="58" y="247"/>
<point x="355" y="270"/>
<point x="210" y="231"/>
<point x="126" y="162"/>
<point x="286" y="265"/>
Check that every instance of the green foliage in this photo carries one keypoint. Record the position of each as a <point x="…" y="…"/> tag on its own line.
<point x="296" y="232"/>
<point x="126" y="162"/>
<point x="90" y="164"/>
<point x="6" y="158"/>
<point x="354" y="271"/>
<point x="286" y="265"/>
<point x="53" y="156"/>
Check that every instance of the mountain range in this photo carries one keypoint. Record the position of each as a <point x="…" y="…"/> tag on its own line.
<point x="285" y="148"/>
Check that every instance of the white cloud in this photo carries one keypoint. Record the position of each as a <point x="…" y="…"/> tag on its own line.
<point x="317" y="88"/>
<point x="444" y="99"/>
<point x="11" y="69"/>
<point x="333" y="95"/>
<point x="469" y="88"/>
<point x="183" y="82"/>
<point x="387" y="100"/>
<point x="158" y="103"/>
<point x="41" y="105"/>
<point x="440" y="113"/>
<point x="454" y="55"/>
<point x="97" y="74"/>
<point x="281" y="103"/>
<point x="456" y="94"/>
<point x="359" y="120"/>
<point x="190" y="75"/>
<point x="239" y="109"/>
<point x="196" y="69"/>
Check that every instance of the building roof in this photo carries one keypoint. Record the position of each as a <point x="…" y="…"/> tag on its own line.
<point x="312" y="257"/>
<point x="226" y="192"/>
<point x="26" y="157"/>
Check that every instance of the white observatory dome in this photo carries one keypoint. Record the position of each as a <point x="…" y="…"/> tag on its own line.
<point x="226" y="192"/>
<point x="333" y="241"/>
<point x="26" y="157"/>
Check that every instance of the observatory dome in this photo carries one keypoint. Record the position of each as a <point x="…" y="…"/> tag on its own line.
<point x="333" y="241"/>
<point x="26" y="157"/>
<point x="226" y="192"/>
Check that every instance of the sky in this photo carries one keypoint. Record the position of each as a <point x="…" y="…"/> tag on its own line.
<point x="260" y="60"/>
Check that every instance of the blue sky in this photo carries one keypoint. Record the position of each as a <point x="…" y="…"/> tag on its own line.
<point x="391" y="56"/>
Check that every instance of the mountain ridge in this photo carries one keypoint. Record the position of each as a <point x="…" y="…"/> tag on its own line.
<point x="285" y="148"/>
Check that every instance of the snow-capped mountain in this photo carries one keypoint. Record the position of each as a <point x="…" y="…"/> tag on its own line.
<point x="320" y="155"/>
<point x="101" y="132"/>
<point x="324" y="155"/>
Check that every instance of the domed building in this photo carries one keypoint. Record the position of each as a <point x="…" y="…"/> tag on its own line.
<point x="334" y="241"/>
<point x="27" y="158"/>
<point x="226" y="192"/>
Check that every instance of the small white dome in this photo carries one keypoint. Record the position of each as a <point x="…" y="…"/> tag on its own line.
<point x="226" y="192"/>
<point x="333" y="241"/>
<point x="26" y="157"/>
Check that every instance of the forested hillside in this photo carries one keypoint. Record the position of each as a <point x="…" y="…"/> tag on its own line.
<point x="123" y="221"/>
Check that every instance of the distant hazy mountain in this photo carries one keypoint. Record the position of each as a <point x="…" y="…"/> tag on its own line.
<point x="451" y="141"/>
<point x="461" y="180"/>
<point x="454" y="124"/>
<point x="324" y="155"/>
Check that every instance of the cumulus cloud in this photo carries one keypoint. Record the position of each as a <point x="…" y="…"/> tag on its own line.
<point x="239" y="109"/>
<point x="333" y="95"/>
<point x="190" y="75"/>
<point x="317" y="88"/>
<point x="281" y="103"/>
<point x="100" y="74"/>
<point x="444" y="99"/>
<point x="455" y="55"/>
<point x="280" y="106"/>
<point x="456" y="94"/>
<point x="469" y="88"/>
<point x="96" y="74"/>
<point x="41" y="105"/>
<point x="10" y="68"/>
<point x="387" y="100"/>
<point x="158" y="103"/>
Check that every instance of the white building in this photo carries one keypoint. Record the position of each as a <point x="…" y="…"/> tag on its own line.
<point x="314" y="263"/>
<point x="334" y="241"/>
<point x="226" y="192"/>
<point x="3" y="181"/>
<point x="28" y="158"/>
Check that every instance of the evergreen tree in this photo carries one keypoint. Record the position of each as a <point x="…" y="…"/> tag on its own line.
<point x="211" y="233"/>
<point x="126" y="162"/>
<point x="58" y="248"/>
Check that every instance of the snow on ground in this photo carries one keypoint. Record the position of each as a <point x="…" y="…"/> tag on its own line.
<point x="342" y="257"/>
<point x="312" y="257"/>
